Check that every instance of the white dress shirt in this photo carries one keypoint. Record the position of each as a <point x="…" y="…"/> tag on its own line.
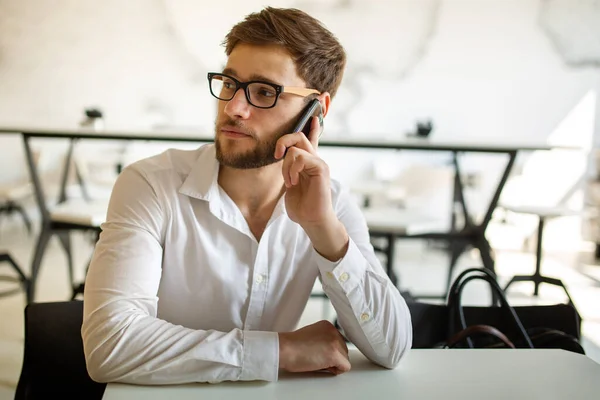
<point x="179" y="290"/>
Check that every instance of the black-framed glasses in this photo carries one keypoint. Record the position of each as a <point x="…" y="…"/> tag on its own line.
<point x="258" y="93"/>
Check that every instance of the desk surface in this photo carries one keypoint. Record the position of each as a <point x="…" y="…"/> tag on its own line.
<point x="422" y="374"/>
<point x="413" y="143"/>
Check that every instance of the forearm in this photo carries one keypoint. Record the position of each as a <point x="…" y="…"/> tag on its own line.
<point x="329" y="238"/>
<point x="371" y="311"/>
<point x="127" y="345"/>
<point x="125" y="341"/>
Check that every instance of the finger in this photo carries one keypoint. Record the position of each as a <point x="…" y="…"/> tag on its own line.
<point x="287" y="164"/>
<point x="297" y="161"/>
<point x="290" y="157"/>
<point x="297" y="139"/>
<point x="343" y="364"/>
<point x="331" y="370"/>
<point x="285" y="169"/>
<point x="296" y="168"/>
<point x="315" y="132"/>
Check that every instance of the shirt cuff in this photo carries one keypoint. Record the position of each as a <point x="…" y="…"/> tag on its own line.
<point x="348" y="272"/>
<point x="261" y="356"/>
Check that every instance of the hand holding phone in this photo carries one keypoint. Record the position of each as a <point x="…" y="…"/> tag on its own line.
<point x="304" y="124"/>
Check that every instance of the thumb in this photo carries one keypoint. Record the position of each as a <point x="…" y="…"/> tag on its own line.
<point x="342" y="364"/>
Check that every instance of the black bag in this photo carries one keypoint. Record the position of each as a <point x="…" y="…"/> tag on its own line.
<point x="498" y="326"/>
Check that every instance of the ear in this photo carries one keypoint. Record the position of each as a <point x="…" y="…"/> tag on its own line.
<point x="325" y="100"/>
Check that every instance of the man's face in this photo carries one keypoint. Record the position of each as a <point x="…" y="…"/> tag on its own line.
<point x="245" y="136"/>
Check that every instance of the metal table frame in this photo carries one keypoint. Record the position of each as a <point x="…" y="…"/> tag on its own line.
<point x="459" y="239"/>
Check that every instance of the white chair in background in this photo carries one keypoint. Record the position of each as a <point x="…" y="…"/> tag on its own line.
<point x="418" y="199"/>
<point x="96" y="167"/>
<point x="546" y="189"/>
<point x="550" y="185"/>
<point x="404" y="204"/>
<point x="96" y="172"/>
<point x="60" y="219"/>
<point x="20" y="279"/>
<point x="16" y="189"/>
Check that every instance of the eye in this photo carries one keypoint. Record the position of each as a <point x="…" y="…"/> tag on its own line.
<point x="228" y="83"/>
<point x="265" y="91"/>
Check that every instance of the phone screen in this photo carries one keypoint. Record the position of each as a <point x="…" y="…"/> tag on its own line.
<point x="313" y="109"/>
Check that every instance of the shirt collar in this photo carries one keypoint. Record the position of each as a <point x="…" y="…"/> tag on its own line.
<point x="202" y="180"/>
<point x="202" y="183"/>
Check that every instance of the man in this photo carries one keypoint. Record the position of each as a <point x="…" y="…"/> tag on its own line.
<point x="208" y="257"/>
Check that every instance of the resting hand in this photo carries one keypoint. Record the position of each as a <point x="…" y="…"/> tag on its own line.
<point x="316" y="347"/>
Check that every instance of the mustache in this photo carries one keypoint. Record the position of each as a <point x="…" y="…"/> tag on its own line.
<point x="234" y="123"/>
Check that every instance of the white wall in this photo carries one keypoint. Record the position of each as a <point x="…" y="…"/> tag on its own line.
<point x="490" y="72"/>
<point x="479" y="69"/>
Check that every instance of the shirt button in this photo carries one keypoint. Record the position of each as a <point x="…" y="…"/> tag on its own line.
<point x="364" y="317"/>
<point x="344" y="277"/>
<point x="330" y="275"/>
<point x="260" y="278"/>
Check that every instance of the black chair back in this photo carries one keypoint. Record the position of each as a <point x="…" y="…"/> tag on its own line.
<point x="53" y="359"/>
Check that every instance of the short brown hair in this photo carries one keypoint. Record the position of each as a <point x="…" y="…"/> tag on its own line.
<point x="319" y="57"/>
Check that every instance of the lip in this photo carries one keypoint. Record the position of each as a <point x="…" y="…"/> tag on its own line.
<point x="233" y="132"/>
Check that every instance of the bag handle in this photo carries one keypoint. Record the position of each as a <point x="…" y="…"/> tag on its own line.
<point x="478" y="330"/>
<point x="454" y="293"/>
<point x="504" y="302"/>
<point x="454" y="287"/>
<point x="455" y="298"/>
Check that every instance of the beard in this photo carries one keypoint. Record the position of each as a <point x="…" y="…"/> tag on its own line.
<point x="262" y="155"/>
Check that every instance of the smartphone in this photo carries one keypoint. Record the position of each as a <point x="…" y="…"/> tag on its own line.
<point x="313" y="109"/>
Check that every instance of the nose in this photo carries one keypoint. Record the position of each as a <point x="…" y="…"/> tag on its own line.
<point x="238" y="106"/>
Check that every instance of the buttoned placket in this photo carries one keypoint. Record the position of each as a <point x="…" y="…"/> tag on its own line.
<point x="259" y="284"/>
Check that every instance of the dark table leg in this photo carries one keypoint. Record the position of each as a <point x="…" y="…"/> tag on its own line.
<point x="476" y="233"/>
<point x="460" y="239"/>
<point x="45" y="216"/>
<point x="390" y="254"/>
<point x="480" y="240"/>
<point x="471" y="234"/>
<point x="35" y="179"/>
<point x="62" y="195"/>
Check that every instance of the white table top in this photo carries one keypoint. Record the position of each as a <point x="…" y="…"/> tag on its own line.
<point x="422" y="374"/>
<point x="373" y="141"/>
<point x="403" y="221"/>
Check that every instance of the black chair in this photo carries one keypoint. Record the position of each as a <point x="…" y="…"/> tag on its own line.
<point x="53" y="360"/>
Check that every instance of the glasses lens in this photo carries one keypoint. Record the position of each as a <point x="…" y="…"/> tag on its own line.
<point x="222" y="87"/>
<point x="262" y="95"/>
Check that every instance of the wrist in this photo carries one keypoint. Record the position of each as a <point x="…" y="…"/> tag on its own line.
<point x="326" y="224"/>
<point x="329" y="238"/>
<point x="284" y="350"/>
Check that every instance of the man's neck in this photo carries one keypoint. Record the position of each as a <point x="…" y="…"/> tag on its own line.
<point x="254" y="191"/>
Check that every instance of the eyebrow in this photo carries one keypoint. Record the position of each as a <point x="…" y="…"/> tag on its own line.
<point x="253" y="77"/>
